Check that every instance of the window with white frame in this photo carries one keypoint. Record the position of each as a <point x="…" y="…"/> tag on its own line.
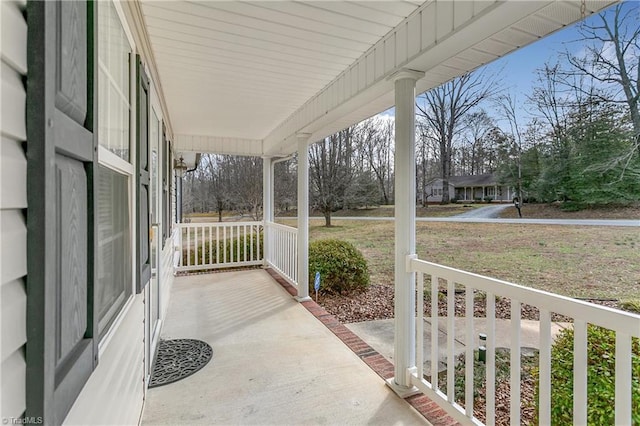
<point x="114" y="187"/>
<point x="114" y="77"/>
<point x="114" y="245"/>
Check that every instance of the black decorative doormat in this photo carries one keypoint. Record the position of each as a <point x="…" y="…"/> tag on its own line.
<point x="177" y="359"/>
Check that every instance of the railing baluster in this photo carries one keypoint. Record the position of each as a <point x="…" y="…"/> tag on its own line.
<point x="515" y="362"/>
<point x="623" y="379"/>
<point x="232" y="248"/>
<point x="203" y="246"/>
<point x="245" y="243"/>
<point x="181" y="243"/>
<point x="189" y="246"/>
<point x="544" y="394"/>
<point x="224" y="244"/>
<point x="294" y="235"/>
<point x="196" y="258"/>
<point x="193" y="241"/>
<point x="217" y="244"/>
<point x="239" y="240"/>
<point x="253" y="228"/>
<point x="290" y="254"/>
<point x="451" y="335"/>
<point x="580" y="372"/>
<point x="279" y="251"/>
<point x="420" y="325"/>
<point x="282" y="255"/>
<point x="625" y="325"/>
<point x="435" y="355"/>
<point x="490" y="397"/>
<point x="256" y="250"/>
<point x="210" y="245"/>
<point x="468" y="369"/>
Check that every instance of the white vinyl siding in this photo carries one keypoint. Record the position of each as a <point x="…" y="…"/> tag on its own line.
<point x="13" y="199"/>
<point x="114" y="393"/>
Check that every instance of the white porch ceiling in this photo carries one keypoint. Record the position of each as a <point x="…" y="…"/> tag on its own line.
<point x="245" y="77"/>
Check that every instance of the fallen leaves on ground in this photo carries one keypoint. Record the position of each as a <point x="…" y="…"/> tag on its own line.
<point x="376" y="303"/>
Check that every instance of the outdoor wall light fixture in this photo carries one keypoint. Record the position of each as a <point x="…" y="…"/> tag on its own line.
<point x="180" y="167"/>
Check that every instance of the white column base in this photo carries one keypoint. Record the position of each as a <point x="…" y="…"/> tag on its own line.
<point x="303" y="298"/>
<point x="402" y="391"/>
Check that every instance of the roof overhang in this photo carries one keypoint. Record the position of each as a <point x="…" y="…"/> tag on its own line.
<point x="247" y="77"/>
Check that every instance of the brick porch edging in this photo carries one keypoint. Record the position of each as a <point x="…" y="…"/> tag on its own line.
<point x="383" y="367"/>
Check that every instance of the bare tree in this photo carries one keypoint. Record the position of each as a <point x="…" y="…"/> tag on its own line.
<point x="246" y="175"/>
<point x="612" y="59"/>
<point x="374" y="137"/>
<point x="550" y="99"/>
<point x="330" y="172"/>
<point x="515" y="140"/>
<point x="428" y="164"/>
<point x="285" y="184"/>
<point x="444" y="108"/>
<point x="213" y="174"/>
<point x="476" y="154"/>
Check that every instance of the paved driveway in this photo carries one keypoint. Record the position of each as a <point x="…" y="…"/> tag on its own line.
<point x="488" y="212"/>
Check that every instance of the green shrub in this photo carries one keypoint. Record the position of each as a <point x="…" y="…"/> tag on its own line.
<point x="631" y="305"/>
<point x="341" y="265"/>
<point x="230" y="248"/>
<point x="600" y="378"/>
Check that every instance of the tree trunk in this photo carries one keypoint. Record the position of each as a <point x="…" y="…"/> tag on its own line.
<point x="446" y="172"/>
<point x="327" y="218"/>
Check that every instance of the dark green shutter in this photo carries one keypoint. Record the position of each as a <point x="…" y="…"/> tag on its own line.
<point x="62" y="346"/>
<point x="143" y="248"/>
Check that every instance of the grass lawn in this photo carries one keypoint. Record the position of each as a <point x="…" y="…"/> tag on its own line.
<point x="433" y="210"/>
<point x="592" y="262"/>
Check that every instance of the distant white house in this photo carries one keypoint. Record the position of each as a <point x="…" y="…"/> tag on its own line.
<point x="470" y="188"/>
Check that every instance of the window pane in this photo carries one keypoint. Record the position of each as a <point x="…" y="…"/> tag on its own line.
<point x="114" y="246"/>
<point x="114" y="64"/>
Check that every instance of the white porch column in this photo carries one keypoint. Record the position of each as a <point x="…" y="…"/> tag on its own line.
<point x="267" y="206"/>
<point x="405" y="228"/>
<point x="303" y="217"/>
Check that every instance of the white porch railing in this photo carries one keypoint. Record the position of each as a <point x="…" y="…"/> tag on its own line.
<point x="203" y="246"/>
<point x="625" y="325"/>
<point x="282" y="250"/>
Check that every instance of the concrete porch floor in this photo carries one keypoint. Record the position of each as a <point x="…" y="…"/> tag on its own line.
<point x="273" y="362"/>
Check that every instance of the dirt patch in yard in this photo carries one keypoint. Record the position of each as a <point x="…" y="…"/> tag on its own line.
<point x="556" y="211"/>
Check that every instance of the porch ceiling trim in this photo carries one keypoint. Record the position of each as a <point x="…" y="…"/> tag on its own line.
<point x="217" y="144"/>
<point x="442" y="38"/>
<point x="135" y="20"/>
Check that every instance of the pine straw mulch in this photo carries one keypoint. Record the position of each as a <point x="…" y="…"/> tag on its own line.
<point x="377" y="303"/>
